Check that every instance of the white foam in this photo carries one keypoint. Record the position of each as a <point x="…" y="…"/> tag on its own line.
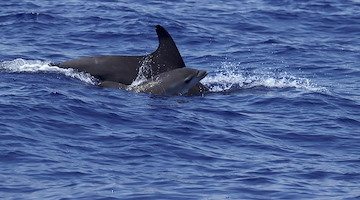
<point x="144" y="71"/>
<point x="230" y="76"/>
<point x="36" y="66"/>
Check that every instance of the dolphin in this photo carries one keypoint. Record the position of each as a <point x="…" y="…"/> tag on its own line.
<point x="174" y="82"/>
<point x="125" y="69"/>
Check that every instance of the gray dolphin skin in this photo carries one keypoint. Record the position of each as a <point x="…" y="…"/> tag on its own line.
<point x="174" y="82"/>
<point x="125" y="69"/>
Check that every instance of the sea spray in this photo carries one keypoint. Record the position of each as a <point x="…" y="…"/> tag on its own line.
<point x="36" y="66"/>
<point x="231" y="77"/>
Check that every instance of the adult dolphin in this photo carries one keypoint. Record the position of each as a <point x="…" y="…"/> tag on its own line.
<point x="174" y="82"/>
<point x="125" y="69"/>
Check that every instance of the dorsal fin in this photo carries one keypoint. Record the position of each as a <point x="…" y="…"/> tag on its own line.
<point x="167" y="54"/>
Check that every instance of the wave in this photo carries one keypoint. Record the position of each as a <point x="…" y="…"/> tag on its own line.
<point x="229" y="77"/>
<point x="36" y="66"/>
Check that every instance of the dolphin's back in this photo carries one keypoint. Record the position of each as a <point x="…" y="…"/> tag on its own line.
<point x="122" y="69"/>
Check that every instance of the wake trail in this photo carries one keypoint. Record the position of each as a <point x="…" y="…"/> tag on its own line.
<point x="231" y="77"/>
<point x="36" y="66"/>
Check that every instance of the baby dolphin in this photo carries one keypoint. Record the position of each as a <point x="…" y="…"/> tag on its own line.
<point x="170" y="83"/>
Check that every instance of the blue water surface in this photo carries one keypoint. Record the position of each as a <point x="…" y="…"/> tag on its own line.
<point x="282" y="120"/>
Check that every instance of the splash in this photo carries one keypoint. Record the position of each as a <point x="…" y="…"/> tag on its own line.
<point x="144" y="71"/>
<point x="229" y="77"/>
<point x="37" y="66"/>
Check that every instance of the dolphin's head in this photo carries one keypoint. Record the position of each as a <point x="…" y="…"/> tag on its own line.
<point x="193" y="77"/>
<point x="174" y="82"/>
<point x="179" y="81"/>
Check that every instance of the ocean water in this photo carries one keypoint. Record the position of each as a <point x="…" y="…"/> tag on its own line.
<point x="282" y="120"/>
